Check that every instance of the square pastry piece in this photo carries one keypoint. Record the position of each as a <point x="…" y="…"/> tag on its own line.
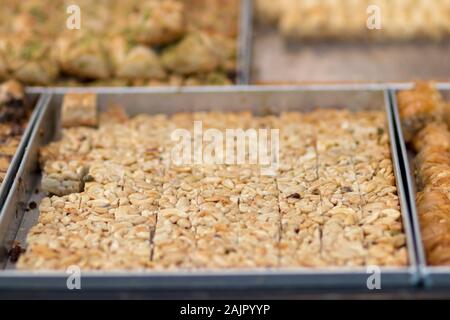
<point x="79" y="109"/>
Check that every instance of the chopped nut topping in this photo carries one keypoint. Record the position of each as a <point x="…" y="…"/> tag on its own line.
<point x="333" y="202"/>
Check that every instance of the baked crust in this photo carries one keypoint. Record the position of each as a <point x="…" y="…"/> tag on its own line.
<point x="79" y="109"/>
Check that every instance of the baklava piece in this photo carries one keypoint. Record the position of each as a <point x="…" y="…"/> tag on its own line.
<point x="203" y="57"/>
<point x="433" y="159"/>
<point x="12" y="101"/>
<point x="135" y="61"/>
<point x="418" y="107"/>
<point x="268" y="11"/>
<point x="83" y="55"/>
<point x="156" y="23"/>
<point x="79" y="109"/>
<point x="432" y="174"/>
<point x="434" y="215"/>
<point x="435" y="136"/>
<point x="30" y="61"/>
<point x="62" y="178"/>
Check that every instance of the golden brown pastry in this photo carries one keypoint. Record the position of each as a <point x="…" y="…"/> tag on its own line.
<point x="433" y="202"/>
<point x="131" y="61"/>
<point x="216" y="78"/>
<point x="83" y="55"/>
<point x="347" y="19"/>
<point x="433" y="159"/>
<point x="447" y="114"/>
<point x="434" y="215"/>
<point x="226" y="50"/>
<point x="88" y="57"/>
<point x="79" y="109"/>
<point x="29" y="59"/>
<point x="268" y="11"/>
<point x="422" y="109"/>
<point x="431" y="199"/>
<point x="156" y="23"/>
<point x="434" y="135"/>
<point x="218" y="16"/>
<point x="418" y="107"/>
<point x="202" y="58"/>
<point x="12" y="101"/>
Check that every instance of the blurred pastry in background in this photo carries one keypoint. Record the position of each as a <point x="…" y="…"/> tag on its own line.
<point x="213" y="16"/>
<point x="12" y="101"/>
<point x="202" y="57"/>
<point x="83" y="55"/>
<point x="268" y="11"/>
<point x="91" y="56"/>
<point x="29" y="60"/>
<point x="132" y="61"/>
<point x="216" y="78"/>
<point x="35" y="17"/>
<point x="155" y="23"/>
<point x="434" y="136"/>
<point x="226" y="49"/>
<point x="336" y="19"/>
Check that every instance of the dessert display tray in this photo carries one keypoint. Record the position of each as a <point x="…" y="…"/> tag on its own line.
<point x="20" y="212"/>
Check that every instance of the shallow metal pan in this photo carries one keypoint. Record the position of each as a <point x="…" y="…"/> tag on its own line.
<point x="261" y="100"/>
<point x="279" y="60"/>
<point x="433" y="276"/>
<point x="37" y="101"/>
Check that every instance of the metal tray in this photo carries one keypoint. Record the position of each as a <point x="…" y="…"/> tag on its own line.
<point x="277" y="60"/>
<point x="244" y="45"/>
<point x="261" y="100"/>
<point x="35" y="100"/>
<point x="434" y="277"/>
